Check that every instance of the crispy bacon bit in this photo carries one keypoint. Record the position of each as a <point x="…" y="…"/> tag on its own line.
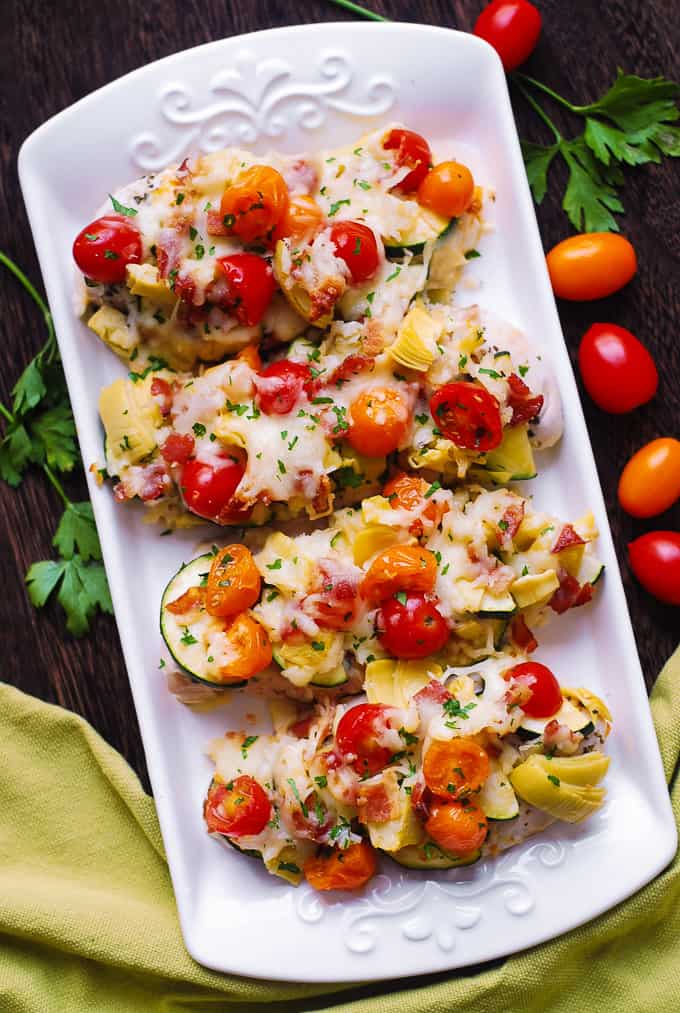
<point x="509" y="523"/>
<point x="434" y="692"/>
<point x="524" y="406"/>
<point x="301" y="177"/>
<point x="302" y="727"/>
<point x="522" y="635"/>
<point x="322" y="501"/>
<point x="376" y="802"/>
<point x="350" y="367"/>
<point x="155" y="483"/>
<point x="216" y="226"/>
<point x="162" y="392"/>
<point x="566" y="538"/>
<point x="178" y="448"/>
<point x="324" y="298"/>
<point x="560" y="738"/>
<point x="334" y="604"/>
<point x="518" y="693"/>
<point x="421" y="798"/>
<point x="570" y="594"/>
<point x="374" y="337"/>
<point x="120" y="493"/>
<point x="191" y="599"/>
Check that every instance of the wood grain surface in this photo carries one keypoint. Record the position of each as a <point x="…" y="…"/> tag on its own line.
<point x="54" y="53"/>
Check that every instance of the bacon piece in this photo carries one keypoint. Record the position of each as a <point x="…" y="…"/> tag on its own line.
<point x="216" y="226"/>
<point x="334" y="605"/>
<point x="162" y="392"/>
<point x="510" y="521"/>
<point x="193" y="598"/>
<point x="324" y="298"/>
<point x="524" y="406"/>
<point x="522" y="635"/>
<point x="376" y="802"/>
<point x="421" y="798"/>
<point x="570" y="594"/>
<point x="302" y="727"/>
<point x="350" y="367"/>
<point x="155" y="483"/>
<point x="566" y="538"/>
<point x="178" y="448"/>
<point x="434" y="692"/>
<point x="560" y="738"/>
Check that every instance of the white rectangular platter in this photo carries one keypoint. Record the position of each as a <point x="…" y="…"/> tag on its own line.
<point x="303" y="88"/>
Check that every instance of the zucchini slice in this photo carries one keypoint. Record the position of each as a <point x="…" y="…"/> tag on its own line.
<point x="497" y="798"/>
<point x="187" y="650"/>
<point x="429" y="855"/>
<point x="426" y="227"/>
<point x="568" y="714"/>
<point x="590" y="570"/>
<point x="497" y="607"/>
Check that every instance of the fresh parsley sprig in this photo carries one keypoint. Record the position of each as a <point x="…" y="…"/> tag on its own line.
<point x="630" y="125"/>
<point x="40" y="430"/>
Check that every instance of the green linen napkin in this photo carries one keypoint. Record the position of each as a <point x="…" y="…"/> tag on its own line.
<point x="88" y="920"/>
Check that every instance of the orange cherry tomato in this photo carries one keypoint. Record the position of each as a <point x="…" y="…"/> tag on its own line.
<point x="447" y="189"/>
<point x="380" y="420"/>
<point x="248" y="647"/>
<point x="233" y="583"/>
<point x="254" y="204"/>
<point x="193" y="598"/>
<point x="591" y="265"/>
<point x="239" y="808"/>
<point x="650" y="482"/>
<point x="341" y="869"/>
<point x="301" y="220"/>
<point x="399" y="568"/>
<point x="407" y="492"/>
<point x="459" y="827"/>
<point x="455" y="768"/>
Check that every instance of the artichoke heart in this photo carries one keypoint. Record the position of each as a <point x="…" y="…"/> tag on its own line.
<point x="283" y="565"/>
<point x="395" y="683"/>
<point x="297" y="296"/>
<point x="400" y="832"/>
<point x="416" y="343"/>
<point x="564" y="787"/>
<point x="145" y="280"/>
<point x="130" y="417"/>
<point x="597" y="708"/>
<point x="112" y="327"/>
<point x="303" y="663"/>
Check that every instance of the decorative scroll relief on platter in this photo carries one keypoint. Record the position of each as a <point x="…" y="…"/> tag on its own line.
<point x="437" y="910"/>
<point x="254" y="100"/>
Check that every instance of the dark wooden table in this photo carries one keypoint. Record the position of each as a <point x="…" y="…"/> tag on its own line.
<point x="53" y="54"/>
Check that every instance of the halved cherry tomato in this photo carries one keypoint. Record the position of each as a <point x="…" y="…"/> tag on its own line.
<point x="399" y="568"/>
<point x="467" y="414"/>
<point x="380" y="420"/>
<point x="239" y="808"/>
<point x="250" y="286"/>
<point x="546" y="695"/>
<point x="591" y="266"/>
<point x="248" y="648"/>
<point x="512" y="27"/>
<point x="410" y="626"/>
<point x="254" y="204"/>
<point x="655" y="561"/>
<point x="412" y="151"/>
<point x="456" y="767"/>
<point x="208" y="487"/>
<point x="233" y="582"/>
<point x="407" y="492"/>
<point x="459" y="827"/>
<point x="178" y="448"/>
<point x="617" y="370"/>
<point x="650" y="482"/>
<point x="358" y="734"/>
<point x="193" y="598"/>
<point x="301" y="221"/>
<point x="280" y="386"/>
<point x="341" y="869"/>
<point x="447" y="189"/>
<point x="104" y="248"/>
<point x="355" y="243"/>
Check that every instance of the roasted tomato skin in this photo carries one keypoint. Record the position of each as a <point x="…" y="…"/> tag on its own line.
<point x="358" y="735"/>
<point x="591" y="265"/>
<point x="250" y="649"/>
<point x="512" y="27"/>
<point x="617" y="370"/>
<point x="208" y="488"/>
<point x="650" y="482"/>
<point x="341" y="869"/>
<point x="280" y="386"/>
<point x="410" y="626"/>
<point x="250" y="284"/>
<point x="655" y="561"/>
<point x="239" y="808"/>
<point x="459" y="827"/>
<point x="467" y="414"/>
<point x="379" y="421"/>
<point x="412" y="151"/>
<point x="546" y="695"/>
<point x="447" y="189"/>
<point x="455" y="768"/>
<point x="254" y="204"/>
<point x="399" y="568"/>
<point x="104" y="248"/>
<point x="234" y="581"/>
<point x="355" y="243"/>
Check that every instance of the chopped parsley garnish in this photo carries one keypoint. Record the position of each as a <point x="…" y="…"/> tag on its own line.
<point x="408" y="737"/>
<point x="246" y="744"/>
<point x="492" y="373"/>
<point x="318" y="645"/>
<point x="555" y="780"/>
<point x="432" y="490"/>
<point x="422" y="419"/>
<point x="121" y="209"/>
<point x="281" y="467"/>
<point x="289" y="867"/>
<point x="179" y="198"/>
<point x="471" y="254"/>
<point x="272" y="594"/>
<point x="294" y="787"/>
<point x="199" y="251"/>
<point x="321" y="781"/>
<point x="199" y="429"/>
<point x="454" y="709"/>
<point x="401" y="597"/>
<point x="395" y="274"/>
<point x="522" y="370"/>
<point x="187" y="638"/>
<point x="336" y="205"/>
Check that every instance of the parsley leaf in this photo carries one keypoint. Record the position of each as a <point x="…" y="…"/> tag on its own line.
<point x="54" y="435"/>
<point x="82" y="589"/>
<point x="77" y="533"/>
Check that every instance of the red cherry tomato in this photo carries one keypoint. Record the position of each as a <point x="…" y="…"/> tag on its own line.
<point x="239" y="808"/>
<point x="650" y="482"/>
<point x="410" y="626"/>
<point x="512" y="27"/>
<point x="208" y="487"/>
<point x="250" y="286"/>
<point x="546" y="695"/>
<point x="105" y="247"/>
<point x="356" y="245"/>
<point x="358" y="734"/>
<point x="467" y="414"/>
<point x="412" y="151"/>
<point x="280" y="386"/>
<point x="617" y="370"/>
<point x="655" y="561"/>
<point x="591" y="266"/>
<point x="178" y="448"/>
